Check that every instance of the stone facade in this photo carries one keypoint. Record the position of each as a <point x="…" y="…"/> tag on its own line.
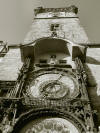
<point x="10" y="65"/>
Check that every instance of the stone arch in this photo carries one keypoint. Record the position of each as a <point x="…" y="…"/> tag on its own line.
<point x="53" y="44"/>
<point x="39" y="39"/>
<point x="38" y="113"/>
<point x="64" y="41"/>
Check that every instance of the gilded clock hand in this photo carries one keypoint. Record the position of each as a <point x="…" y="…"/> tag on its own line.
<point x="60" y="77"/>
<point x="52" y="85"/>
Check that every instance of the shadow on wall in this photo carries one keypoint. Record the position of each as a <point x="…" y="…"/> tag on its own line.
<point x="91" y="60"/>
<point x="90" y="79"/>
<point x="92" y="89"/>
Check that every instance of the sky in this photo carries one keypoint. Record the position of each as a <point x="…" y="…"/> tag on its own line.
<point x="16" y="17"/>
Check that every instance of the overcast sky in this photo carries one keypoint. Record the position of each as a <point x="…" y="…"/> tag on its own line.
<point x="16" y="17"/>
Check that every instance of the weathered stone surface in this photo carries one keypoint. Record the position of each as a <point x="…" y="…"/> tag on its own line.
<point x="70" y="29"/>
<point x="10" y="65"/>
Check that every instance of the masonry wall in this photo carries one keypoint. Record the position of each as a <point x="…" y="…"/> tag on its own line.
<point x="10" y="65"/>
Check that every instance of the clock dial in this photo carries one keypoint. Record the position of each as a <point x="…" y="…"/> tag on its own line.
<point x="54" y="90"/>
<point x="54" y="86"/>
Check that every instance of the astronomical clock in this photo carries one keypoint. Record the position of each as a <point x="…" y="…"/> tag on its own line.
<point x="53" y="85"/>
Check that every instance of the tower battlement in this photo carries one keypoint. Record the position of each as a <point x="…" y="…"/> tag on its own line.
<point x="72" y="8"/>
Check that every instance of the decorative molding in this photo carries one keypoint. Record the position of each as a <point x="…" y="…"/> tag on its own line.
<point x="87" y="107"/>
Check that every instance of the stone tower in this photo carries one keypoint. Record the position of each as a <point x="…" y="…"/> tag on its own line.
<point x="49" y="83"/>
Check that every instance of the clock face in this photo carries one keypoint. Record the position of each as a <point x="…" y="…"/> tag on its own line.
<point x="53" y="89"/>
<point x="54" y="85"/>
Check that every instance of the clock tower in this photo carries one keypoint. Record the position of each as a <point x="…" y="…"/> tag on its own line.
<point x="50" y="94"/>
<point x="56" y="79"/>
